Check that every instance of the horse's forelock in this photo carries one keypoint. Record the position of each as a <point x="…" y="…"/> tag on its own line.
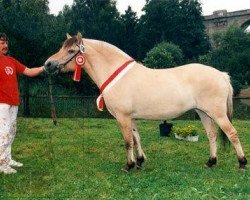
<point x="69" y="42"/>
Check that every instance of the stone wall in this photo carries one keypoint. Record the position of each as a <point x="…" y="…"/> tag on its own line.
<point x="221" y="19"/>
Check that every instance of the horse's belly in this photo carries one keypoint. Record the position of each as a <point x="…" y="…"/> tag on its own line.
<point x="163" y="109"/>
<point x="157" y="116"/>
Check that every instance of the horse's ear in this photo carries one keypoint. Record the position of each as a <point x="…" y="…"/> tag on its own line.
<point x="79" y="37"/>
<point x="68" y="36"/>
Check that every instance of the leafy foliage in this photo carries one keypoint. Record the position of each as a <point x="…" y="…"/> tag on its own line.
<point x="128" y="35"/>
<point x="175" y="21"/>
<point x="33" y="35"/>
<point x="231" y="54"/>
<point x="164" y="55"/>
<point x="24" y="26"/>
<point x="189" y="130"/>
<point x="95" y="19"/>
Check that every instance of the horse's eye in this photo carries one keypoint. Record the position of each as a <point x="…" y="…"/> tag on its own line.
<point x="71" y="51"/>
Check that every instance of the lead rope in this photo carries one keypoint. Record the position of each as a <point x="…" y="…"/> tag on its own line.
<point x="52" y="103"/>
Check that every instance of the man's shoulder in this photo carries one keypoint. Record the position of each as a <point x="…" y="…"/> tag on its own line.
<point x="5" y="57"/>
<point x="11" y="58"/>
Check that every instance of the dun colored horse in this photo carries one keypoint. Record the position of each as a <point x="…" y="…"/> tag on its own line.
<point x="132" y="91"/>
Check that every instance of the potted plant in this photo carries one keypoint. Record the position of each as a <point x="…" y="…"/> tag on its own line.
<point x="189" y="133"/>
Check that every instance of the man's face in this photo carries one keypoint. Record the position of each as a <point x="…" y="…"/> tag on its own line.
<point x="3" y="46"/>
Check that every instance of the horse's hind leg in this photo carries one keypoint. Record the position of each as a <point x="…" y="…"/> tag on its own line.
<point x="232" y="135"/>
<point x="137" y="144"/>
<point x="126" y="128"/>
<point x="209" y="126"/>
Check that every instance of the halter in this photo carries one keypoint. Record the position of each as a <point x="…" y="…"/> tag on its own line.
<point x="81" y="51"/>
<point x="79" y="60"/>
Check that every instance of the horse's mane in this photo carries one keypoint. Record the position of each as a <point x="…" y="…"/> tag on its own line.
<point x="98" y="44"/>
<point x="107" y="46"/>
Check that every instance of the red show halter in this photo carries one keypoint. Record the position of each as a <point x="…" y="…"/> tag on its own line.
<point x="79" y="60"/>
<point x="100" y="99"/>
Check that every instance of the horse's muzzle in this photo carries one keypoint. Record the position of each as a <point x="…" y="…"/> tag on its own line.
<point x="52" y="67"/>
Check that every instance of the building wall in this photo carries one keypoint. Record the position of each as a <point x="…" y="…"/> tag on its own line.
<point x="221" y="19"/>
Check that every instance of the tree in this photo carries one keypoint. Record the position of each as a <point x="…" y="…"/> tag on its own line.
<point x="95" y="19"/>
<point x="129" y="22"/>
<point x="164" y="55"/>
<point x="231" y="54"/>
<point x="177" y="21"/>
<point x="33" y="35"/>
<point x="25" y="27"/>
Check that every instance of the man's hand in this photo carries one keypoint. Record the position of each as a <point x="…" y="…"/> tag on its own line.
<point x="32" y="72"/>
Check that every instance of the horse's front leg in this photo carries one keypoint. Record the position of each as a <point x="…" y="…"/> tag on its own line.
<point x="126" y="128"/>
<point x="137" y="143"/>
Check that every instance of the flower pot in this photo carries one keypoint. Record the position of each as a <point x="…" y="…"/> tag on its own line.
<point x="187" y="138"/>
<point x="165" y="129"/>
<point x="192" y="138"/>
<point x="178" y="137"/>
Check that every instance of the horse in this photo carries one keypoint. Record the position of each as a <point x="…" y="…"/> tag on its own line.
<point x="132" y="91"/>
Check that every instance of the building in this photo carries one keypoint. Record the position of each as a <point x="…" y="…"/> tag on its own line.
<point x="221" y="19"/>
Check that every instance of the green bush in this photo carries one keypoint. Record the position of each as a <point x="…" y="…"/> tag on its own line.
<point x="205" y="59"/>
<point x="230" y="53"/>
<point x="164" y="55"/>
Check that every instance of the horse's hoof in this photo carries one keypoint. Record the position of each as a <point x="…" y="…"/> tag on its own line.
<point x="128" y="167"/>
<point x="124" y="170"/>
<point x="210" y="163"/>
<point x="139" y="162"/>
<point x="138" y="167"/>
<point x="242" y="164"/>
<point x="207" y="167"/>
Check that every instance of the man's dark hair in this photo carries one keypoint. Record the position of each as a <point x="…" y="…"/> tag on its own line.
<point x="3" y="37"/>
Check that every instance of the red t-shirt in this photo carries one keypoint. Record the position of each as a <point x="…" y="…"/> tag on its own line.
<point x="9" y="69"/>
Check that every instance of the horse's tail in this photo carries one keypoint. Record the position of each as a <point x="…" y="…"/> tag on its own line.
<point x="229" y="108"/>
<point x="229" y="100"/>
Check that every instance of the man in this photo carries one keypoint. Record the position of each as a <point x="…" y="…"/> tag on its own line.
<point x="9" y="101"/>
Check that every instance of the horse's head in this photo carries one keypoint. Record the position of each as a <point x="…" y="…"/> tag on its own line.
<point x="64" y="59"/>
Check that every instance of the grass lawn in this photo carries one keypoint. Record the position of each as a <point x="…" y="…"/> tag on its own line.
<point x="82" y="159"/>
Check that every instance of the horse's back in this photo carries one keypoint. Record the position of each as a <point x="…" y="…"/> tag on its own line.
<point x="203" y="79"/>
<point x="196" y="76"/>
<point x="202" y="83"/>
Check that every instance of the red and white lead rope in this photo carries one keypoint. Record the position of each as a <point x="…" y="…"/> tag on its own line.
<point x="111" y="81"/>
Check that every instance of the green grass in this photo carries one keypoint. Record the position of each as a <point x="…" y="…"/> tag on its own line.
<point x="82" y="159"/>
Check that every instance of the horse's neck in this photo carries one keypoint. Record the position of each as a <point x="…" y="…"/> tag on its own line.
<point x="102" y="60"/>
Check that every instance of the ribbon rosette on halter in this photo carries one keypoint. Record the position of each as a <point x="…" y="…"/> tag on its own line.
<point x="80" y="60"/>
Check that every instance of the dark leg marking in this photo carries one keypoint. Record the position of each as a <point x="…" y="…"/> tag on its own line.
<point x="242" y="163"/>
<point x="211" y="162"/>
<point x="128" y="167"/>
<point x="139" y="162"/>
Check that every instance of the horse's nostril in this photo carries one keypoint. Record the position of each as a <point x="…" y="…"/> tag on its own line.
<point x="48" y="64"/>
<point x="52" y="67"/>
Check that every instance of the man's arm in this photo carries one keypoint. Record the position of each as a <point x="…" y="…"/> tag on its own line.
<point x="32" y="72"/>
